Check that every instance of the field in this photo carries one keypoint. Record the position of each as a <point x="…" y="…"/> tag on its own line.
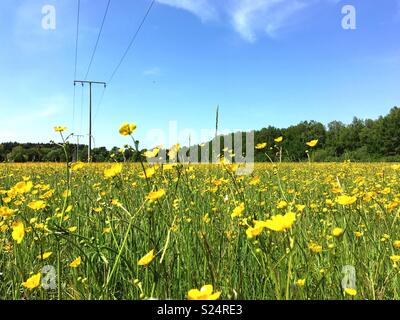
<point x="287" y="231"/>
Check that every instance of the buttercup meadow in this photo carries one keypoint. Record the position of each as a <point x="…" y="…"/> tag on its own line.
<point x="199" y="158"/>
<point x="199" y="231"/>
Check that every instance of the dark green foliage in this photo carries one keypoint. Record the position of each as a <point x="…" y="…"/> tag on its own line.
<point x="361" y="140"/>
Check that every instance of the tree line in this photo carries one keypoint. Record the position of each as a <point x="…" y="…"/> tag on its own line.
<point x="361" y="140"/>
<point x="48" y="152"/>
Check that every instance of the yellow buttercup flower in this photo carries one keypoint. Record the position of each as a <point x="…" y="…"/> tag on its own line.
<point x="60" y="129"/>
<point x="76" y="263"/>
<point x="315" y="248"/>
<point x="32" y="282"/>
<point x="395" y="258"/>
<point x="396" y="244"/>
<point x="7" y="200"/>
<point x="127" y="129"/>
<point x="300" y="282"/>
<point x="148" y="173"/>
<point x="346" y="200"/>
<point x="237" y="212"/>
<point x="254" y="181"/>
<point x="45" y="255"/>
<point x="300" y="207"/>
<point x="282" y="204"/>
<point x="37" y="205"/>
<point x="206" y="218"/>
<point x="115" y="202"/>
<point x="232" y="167"/>
<point x="312" y="143"/>
<point x="336" y="232"/>
<point x="18" y="232"/>
<point x="146" y="259"/>
<point x="23" y="186"/>
<point x="205" y="293"/>
<point x="350" y="291"/>
<point x="98" y="210"/>
<point x="170" y="166"/>
<point x="155" y="195"/>
<point x="252" y="232"/>
<point x="280" y="223"/>
<point x="113" y="171"/>
<point x="77" y="166"/>
<point x="279" y="139"/>
<point x="358" y="234"/>
<point x="261" y="146"/>
<point x="66" y="193"/>
<point x="6" y="212"/>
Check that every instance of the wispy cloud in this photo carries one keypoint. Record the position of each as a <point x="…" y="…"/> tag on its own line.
<point x="32" y="124"/>
<point x="49" y="111"/>
<point x="388" y="58"/>
<point x="253" y="16"/>
<point x="204" y="9"/>
<point x="155" y="71"/>
<point x="43" y="109"/>
<point x="248" y="17"/>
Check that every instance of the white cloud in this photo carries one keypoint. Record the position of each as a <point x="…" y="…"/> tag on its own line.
<point x="387" y="58"/>
<point x="49" y="111"/>
<point x="204" y="9"/>
<point x="248" y="17"/>
<point x="253" y="16"/>
<point x="152" y="72"/>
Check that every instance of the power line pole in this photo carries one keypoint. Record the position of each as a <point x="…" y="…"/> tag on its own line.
<point x="217" y="140"/>
<point x="77" y="144"/>
<point x="216" y="122"/>
<point x="90" y="110"/>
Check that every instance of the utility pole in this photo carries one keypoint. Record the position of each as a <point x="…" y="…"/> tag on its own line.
<point x="217" y="142"/>
<point x="90" y="110"/>
<point x="77" y="144"/>
<point x="216" y="122"/>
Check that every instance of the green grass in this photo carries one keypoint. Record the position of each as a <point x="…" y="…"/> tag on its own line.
<point x="192" y="229"/>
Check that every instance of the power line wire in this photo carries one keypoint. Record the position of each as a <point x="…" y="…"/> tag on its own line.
<point x="77" y="37"/>
<point x="123" y="57"/>
<point x="99" y="104"/>
<point x="132" y="41"/>
<point x="76" y="60"/>
<point x="98" y="39"/>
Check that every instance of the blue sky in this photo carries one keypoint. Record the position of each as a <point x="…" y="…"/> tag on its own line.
<point x="265" y="62"/>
